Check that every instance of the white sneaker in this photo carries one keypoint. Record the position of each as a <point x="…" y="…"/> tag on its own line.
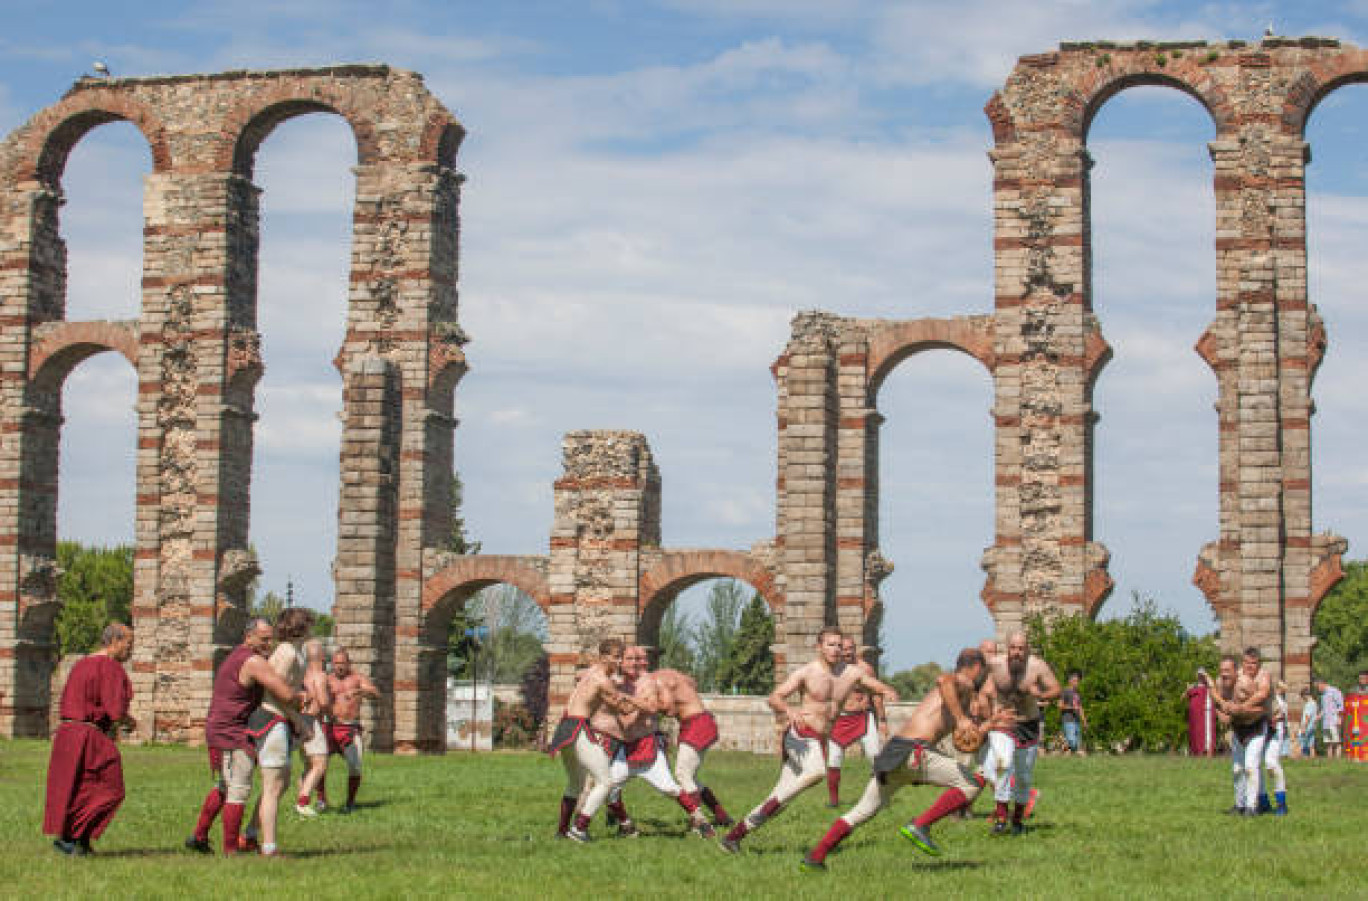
<point x="575" y="834"/>
<point x="305" y="811"/>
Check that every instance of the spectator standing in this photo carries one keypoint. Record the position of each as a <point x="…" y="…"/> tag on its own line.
<point x="1306" y="732"/>
<point x="1071" y="717"/>
<point x="1332" y="711"/>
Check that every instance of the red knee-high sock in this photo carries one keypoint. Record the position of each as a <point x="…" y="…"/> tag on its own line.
<point x="951" y="800"/>
<point x="1000" y="812"/>
<point x="834" y="784"/>
<point x="566" y="812"/>
<point x="689" y="801"/>
<point x="769" y="809"/>
<point x="353" y="784"/>
<point x="213" y="803"/>
<point x="835" y="835"/>
<point x="232" y="826"/>
<point x="714" y="805"/>
<point x="619" y="810"/>
<point x="582" y="823"/>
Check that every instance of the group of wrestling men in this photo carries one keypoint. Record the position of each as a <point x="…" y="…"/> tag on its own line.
<point x="611" y="731"/>
<point x="272" y="694"/>
<point x="1244" y="700"/>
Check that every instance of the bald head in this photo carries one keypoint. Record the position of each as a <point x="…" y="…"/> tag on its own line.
<point x="1018" y="651"/>
<point x="988" y="648"/>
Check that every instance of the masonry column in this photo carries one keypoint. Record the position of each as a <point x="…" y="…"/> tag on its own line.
<point x="1046" y="346"/>
<point x="809" y="416"/>
<point x="198" y="362"/>
<point x="607" y="510"/>
<point x="858" y="608"/>
<point x="32" y="291"/>
<point x="403" y="309"/>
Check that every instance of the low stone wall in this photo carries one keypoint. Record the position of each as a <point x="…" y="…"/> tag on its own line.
<point x="746" y="723"/>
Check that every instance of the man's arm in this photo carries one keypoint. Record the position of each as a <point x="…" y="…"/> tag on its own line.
<point x="366" y="688"/>
<point x="877" y="689"/>
<point x="946" y="684"/>
<point x="1046" y="685"/>
<point x="1263" y="686"/>
<point x="778" y="699"/>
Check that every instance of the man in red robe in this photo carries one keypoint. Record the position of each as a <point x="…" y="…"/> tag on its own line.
<point x="85" y="773"/>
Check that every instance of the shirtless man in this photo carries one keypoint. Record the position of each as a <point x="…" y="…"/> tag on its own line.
<point x="824" y="684"/>
<point x="313" y="737"/>
<point x="589" y="751"/>
<point x="348" y="689"/>
<point x="678" y="694"/>
<point x="1018" y="681"/>
<point x="862" y="719"/>
<point x="912" y="758"/>
<point x="644" y="745"/>
<point x="1245" y="700"/>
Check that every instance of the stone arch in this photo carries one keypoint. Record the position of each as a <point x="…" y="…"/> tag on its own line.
<point x="452" y="586"/>
<point x="64" y="345"/>
<point x="56" y="131"/>
<point x="678" y="570"/>
<point x="444" y="593"/>
<point x="891" y="343"/>
<point x="1317" y="83"/>
<point x="253" y="120"/>
<point x="1188" y="78"/>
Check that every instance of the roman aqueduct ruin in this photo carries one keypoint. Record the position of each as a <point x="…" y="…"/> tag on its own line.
<point x="195" y="349"/>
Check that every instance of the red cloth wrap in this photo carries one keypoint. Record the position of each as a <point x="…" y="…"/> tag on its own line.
<point x="85" y="773"/>
<point x="850" y="728"/>
<point x="699" y="731"/>
<point x="642" y="752"/>
<point x="340" y="735"/>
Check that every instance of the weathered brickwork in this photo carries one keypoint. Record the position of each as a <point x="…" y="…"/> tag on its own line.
<point x="196" y="351"/>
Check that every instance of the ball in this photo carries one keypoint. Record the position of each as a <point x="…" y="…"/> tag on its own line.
<point x="967" y="738"/>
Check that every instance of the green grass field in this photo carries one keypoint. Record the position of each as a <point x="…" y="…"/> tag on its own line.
<point x="466" y="826"/>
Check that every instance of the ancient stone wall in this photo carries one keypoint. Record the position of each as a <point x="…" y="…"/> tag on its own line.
<point x="196" y="351"/>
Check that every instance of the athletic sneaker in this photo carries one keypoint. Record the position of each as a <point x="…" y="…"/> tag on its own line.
<point x="921" y="838"/>
<point x="628" y="829"/>
<point x="1018" y="828"/>
<point x="576" y="834"/>
<point x="305" y="810"/>
<point x="999" y="827"/>
<point x="729" y="846"/>
<point x="1030" y="803"/>
<point x="68" y="847"/>
<point x="200" y="845"/>
<point x="248" y="843"/>
<point x="705" y="830"/>
<point x="812" y="866"/>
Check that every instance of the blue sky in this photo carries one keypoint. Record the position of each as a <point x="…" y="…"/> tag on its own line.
<point x="655" y="189"/>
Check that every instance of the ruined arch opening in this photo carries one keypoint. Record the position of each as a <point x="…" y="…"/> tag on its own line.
<point x="718" y="629"/>
<point x="931" y="454"/>
<point x="1336" y="230"/>
<point x="301" y="311"/>
<point x="1154" y="444"/>
<point x="99" y="231"/>
<point x="484" y="672"/>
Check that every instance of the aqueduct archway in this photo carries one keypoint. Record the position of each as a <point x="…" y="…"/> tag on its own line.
<point x="605" y="572"/>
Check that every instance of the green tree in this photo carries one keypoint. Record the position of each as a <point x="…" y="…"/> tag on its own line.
<point x="1135" y="671"/>
<point x="749" y="668"/>
<point x="514" y="630"/>
<point x="460" y="542"/>
<point x="323" y="625"/>
<point x="716" y="633"/>
<point x="675" y="641"/>
<point x="268" y="606"/>
<point x="95" y="589"/>
<point x="1341" y="628"/>
<point x="912" y="684"/>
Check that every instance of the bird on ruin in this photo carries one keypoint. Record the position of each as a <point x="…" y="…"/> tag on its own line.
<point x="100" y="69"/>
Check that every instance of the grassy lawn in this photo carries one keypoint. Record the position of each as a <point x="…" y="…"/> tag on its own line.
<point x="467" y="825"/>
